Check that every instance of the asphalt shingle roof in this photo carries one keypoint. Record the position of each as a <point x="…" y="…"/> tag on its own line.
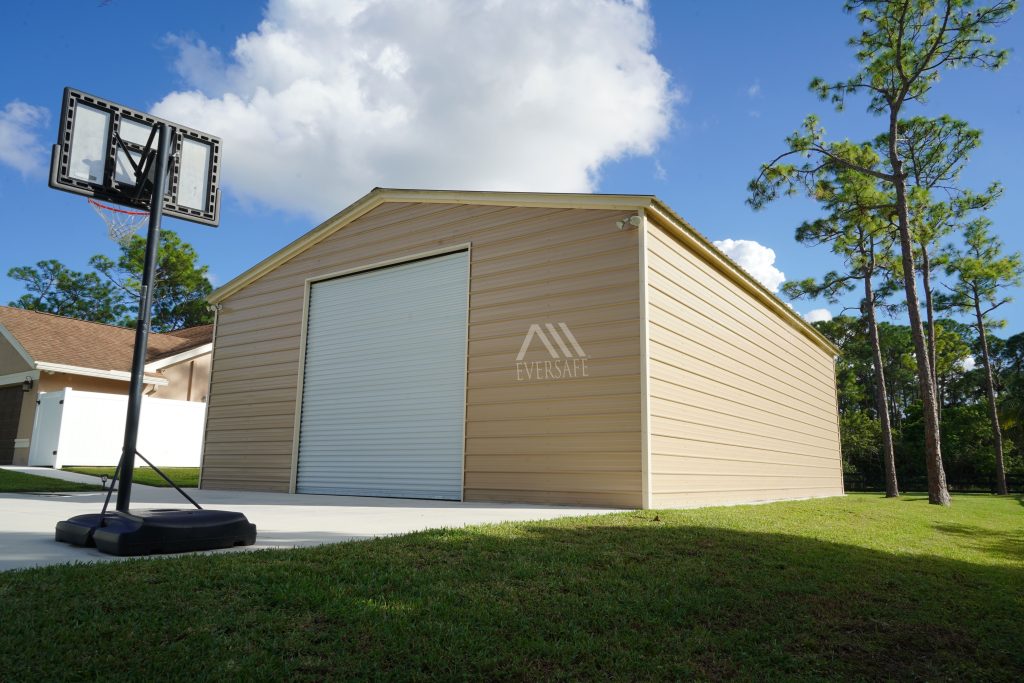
<point x="52" y="338"/>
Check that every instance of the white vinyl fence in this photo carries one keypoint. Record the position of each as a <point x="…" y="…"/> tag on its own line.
<point x="85" y="428"/>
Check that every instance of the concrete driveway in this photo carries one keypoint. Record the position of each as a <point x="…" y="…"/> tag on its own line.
<point x="282" y="520"/>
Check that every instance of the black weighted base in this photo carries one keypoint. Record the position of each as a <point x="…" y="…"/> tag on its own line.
<point x="152" y="532"/>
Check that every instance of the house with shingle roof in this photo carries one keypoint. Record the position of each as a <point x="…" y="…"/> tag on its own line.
<point x="41" y="352"/>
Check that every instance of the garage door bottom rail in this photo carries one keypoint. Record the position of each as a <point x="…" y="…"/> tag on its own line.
<point x="149" y="532"/>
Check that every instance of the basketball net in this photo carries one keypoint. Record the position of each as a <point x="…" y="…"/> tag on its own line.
<point x="121" y="223"/>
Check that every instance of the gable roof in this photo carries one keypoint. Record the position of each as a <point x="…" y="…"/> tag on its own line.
<point x="56" y="340"/>
<point x="649" y="204"/>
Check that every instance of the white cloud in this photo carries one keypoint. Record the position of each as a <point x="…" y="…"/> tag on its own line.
<point x="659" y="171"/>
<point x="754" y="90"/>
<point x="818" y="315"/>
<point x="20" y="147"/>
<point x="327" y="99"/>
<point x="756" y="259"/>
<point x="969" y="363"/>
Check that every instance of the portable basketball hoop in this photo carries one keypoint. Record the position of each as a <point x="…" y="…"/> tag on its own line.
<point x="121" y="223"/>
<point x="150" y="167"/>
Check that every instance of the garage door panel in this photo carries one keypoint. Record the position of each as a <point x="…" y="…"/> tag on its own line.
<point x="384" y="382"/>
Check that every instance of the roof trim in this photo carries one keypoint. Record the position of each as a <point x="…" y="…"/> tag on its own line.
<point x="720" y="261"/>
<point x="121" y="375"/>
<point x="627" y="202"/>
<point x="380" y="195"/>
<point x="181" y="357"/>
<point x="13" y="341"/>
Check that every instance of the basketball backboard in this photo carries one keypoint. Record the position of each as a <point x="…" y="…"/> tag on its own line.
<point x="101" y="146"/>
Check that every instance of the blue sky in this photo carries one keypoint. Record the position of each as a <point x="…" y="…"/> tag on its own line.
<point x="731" y="79"/>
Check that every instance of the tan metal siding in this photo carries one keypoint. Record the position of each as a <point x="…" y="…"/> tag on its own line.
<point x="742" y="403"/>
<point x="563" y="441"/>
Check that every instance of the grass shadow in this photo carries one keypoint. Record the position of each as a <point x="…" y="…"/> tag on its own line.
<point x="622" y="598"/>
<point x="1005" y="544"/>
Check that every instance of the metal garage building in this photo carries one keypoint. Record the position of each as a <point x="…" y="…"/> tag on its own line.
<point x="550" y="348"/>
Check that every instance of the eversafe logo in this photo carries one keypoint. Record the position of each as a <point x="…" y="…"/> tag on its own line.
<point x="568" y="360"/>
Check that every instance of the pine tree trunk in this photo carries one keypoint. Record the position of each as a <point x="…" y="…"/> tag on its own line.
<point x="938" y="493"/>
<point x="993" y="410"/>
<point x="881" y="401"/>
<point x="929" y="306"/>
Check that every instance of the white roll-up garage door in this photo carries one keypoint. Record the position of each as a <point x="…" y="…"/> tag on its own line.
<point x="383" y="398"/>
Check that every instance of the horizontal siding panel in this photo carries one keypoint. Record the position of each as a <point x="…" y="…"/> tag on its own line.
<point x="248" y="420"/>
<point x="695" y="326"/>
<point x="603" y="499"/>
<point x="672" y="398"/>
<point x="597" y="368"/>
<point x="257" y="343"/>
<point x="572" y="268"/>
<point x="738" y="481"/>
<point x="566" y="390"/>
<point x="751" y="465"/>
<point x="624" y="442"/>
<point x="359" y="247"/>
<point x="594" y="461"/>
<point x="674" y="366"/>
<point x="266" y="359"/>
<point x="270" y="323"/>
<point x="503" y="358"/>
<point x="680" y="352"/>
<point x="278" y="448"/>
<point x="250" y="434"/>
<point x="662" y="434"/>
<point x="512" y="299"/>
<point x="219" y="413"/>
<point x="734" y="497"/>
<point x="242" y="398"/>
<point x="552" y="408"/>
<point x="677" y="422"/>
<point x="287" y="369"/>
<point x="248" y="484"/>
<point x="585" y="481"/>
<point x="510" y="338"/>
<point x="254" y="386"/>
<point x="695" y="279"/>
<point x="517" y="328"/>
<point x="683" y="448"/>
<point x="540" y="426"/>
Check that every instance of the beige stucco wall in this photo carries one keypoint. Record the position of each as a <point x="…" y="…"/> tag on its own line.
<point x="186" y="381"/>
<point x="11" y="361"/>
<point x="742" y="403"/>
<point x="552" y="440"/>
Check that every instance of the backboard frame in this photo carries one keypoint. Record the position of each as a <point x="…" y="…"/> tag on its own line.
<point x="190" y="194"/>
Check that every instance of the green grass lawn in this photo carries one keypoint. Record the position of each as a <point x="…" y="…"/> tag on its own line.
<point x="845" y="588"/>
<point x="186" y="477"/>
<point x="19" y="482"/>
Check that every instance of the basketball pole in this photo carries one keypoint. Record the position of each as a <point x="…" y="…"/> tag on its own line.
<point x="131" y="425"/>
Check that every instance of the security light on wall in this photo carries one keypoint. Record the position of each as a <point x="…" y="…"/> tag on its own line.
<point x="26" y="386"/>
<point x="631" y="222"/>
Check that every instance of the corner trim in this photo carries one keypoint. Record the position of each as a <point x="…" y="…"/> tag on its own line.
<point x="646" y="476"/>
